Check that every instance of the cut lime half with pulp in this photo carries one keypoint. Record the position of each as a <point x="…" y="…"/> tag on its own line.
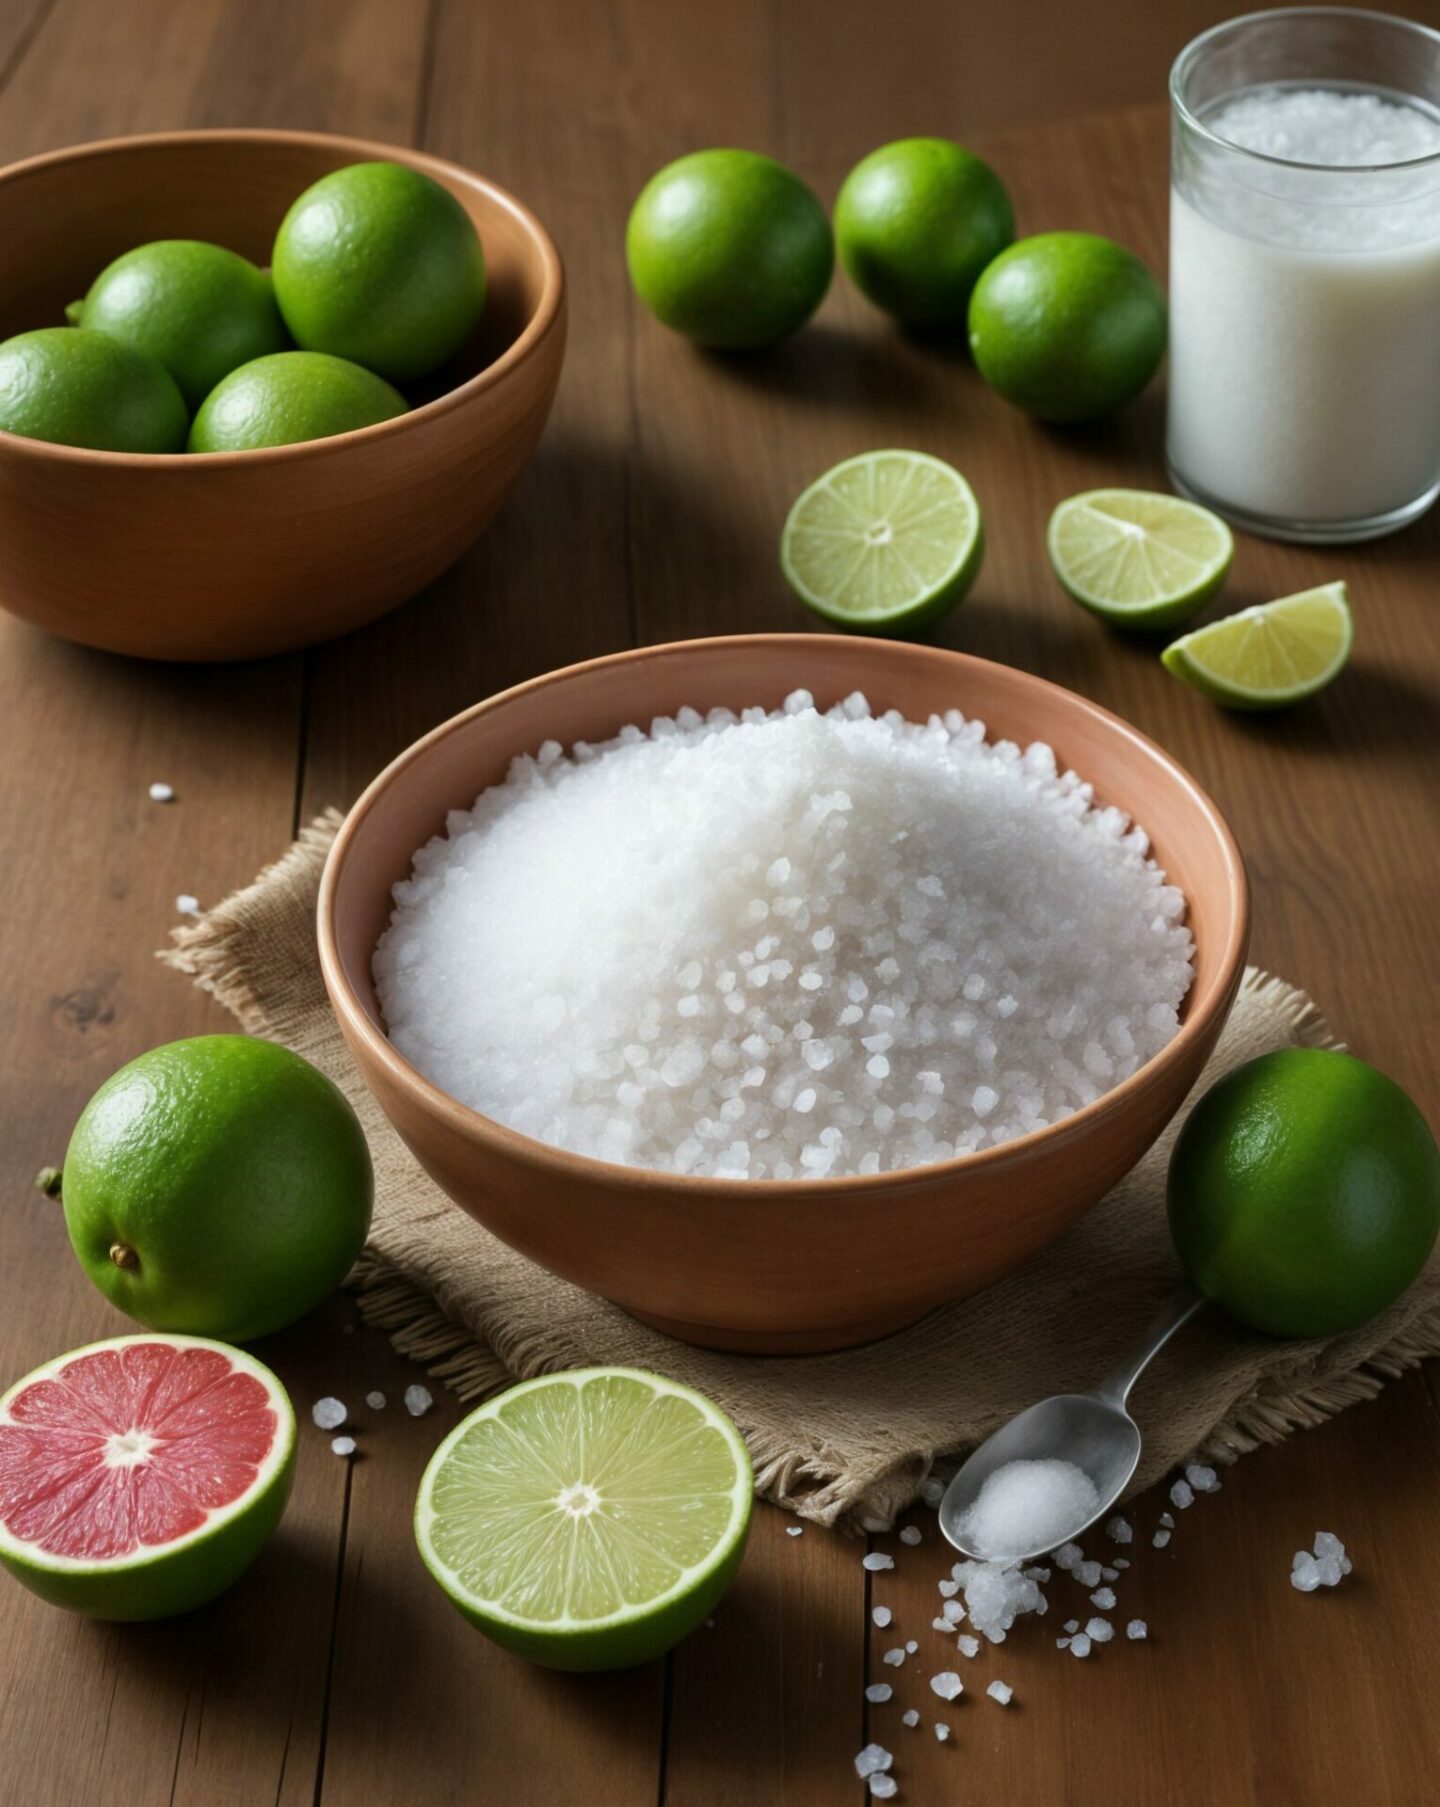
<point x="1138" y="558"/>
<point x="885" y="543"/>
<point x="587" y="1520"/>
<point x="1272" y="655"/>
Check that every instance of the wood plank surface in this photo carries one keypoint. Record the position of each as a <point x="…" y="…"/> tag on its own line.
<point x="335" y="1673"/>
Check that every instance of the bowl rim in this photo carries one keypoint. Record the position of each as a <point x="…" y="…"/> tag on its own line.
<point x="548" y="312"/>
<point x="357" y="1024"/>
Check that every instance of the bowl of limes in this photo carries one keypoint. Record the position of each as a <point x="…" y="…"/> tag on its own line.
<point x="257" y="388"/>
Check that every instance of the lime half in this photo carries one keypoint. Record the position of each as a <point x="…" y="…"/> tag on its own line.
<point x="884" y="543"/>
<point x="587" y="1520"/>
<point x="1138" y="558"/>
<point x="1269" y="656"/>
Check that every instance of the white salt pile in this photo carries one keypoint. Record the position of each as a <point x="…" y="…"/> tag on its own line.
<point x="1327" y="1567"/>
<point x="996" y="1596"/>
<point x="1028" y="1506"/>
<point x="784" y="946"/>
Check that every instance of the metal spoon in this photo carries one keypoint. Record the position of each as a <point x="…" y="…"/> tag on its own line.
<point x="1092" y="1430"/>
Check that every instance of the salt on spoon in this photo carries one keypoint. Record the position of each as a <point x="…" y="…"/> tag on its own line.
<point x="1052" y="1472"/>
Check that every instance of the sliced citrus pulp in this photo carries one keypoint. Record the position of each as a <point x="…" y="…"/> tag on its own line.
<point x="1271" y="655"/>
<point x="1137" y="557"/>
<point x="587" y="1520"/>
<point x="139" y="1477"/>
<point x="887" y="542"/>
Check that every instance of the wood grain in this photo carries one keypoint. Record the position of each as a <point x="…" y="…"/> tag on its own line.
<point x="335" y="1674"/>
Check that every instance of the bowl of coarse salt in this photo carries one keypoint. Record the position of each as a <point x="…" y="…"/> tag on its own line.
<point x="782" y="987"/>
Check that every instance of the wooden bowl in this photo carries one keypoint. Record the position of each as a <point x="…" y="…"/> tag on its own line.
<point x="238" y="554"/>
<point x="778" y="1266"/>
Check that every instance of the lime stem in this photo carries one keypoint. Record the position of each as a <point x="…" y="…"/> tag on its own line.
<point x="48" y="1181"/>
<point x="124" y="1256"/>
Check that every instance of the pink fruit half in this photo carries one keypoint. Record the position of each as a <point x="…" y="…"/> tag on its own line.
<point x="139" y="1477"/>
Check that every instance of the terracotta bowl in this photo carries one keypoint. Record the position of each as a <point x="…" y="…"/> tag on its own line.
<point x="778" y="1266"/>
<point x="239" y="554"/>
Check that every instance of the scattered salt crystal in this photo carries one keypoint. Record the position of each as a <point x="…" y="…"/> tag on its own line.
<point x="162" y="793"/>
<point x="1168" y="1520"/>
<point x="1161" y="1538"/>
<point x="329" y="1413"/>
<point x="911" y="1646"/>
<point x="910" y="1717"/>
<point x="186" y="905"/>
<point x="1099" y="1631"/>
<point x="418" y="1401"/>
<point x="1087" y="1573"/>
<point x="794" y="1530"/>
<point x="910" y="1535"/>
<point x="949" y="1588"/>
<point x="1119" y="1529"/>
<point x="953" y="1612"/>
<point x="767" y="872"/>
<point x="942" y="1731"/>
<point x="947" y="1684"/>
<point x="1027" y="1505"/>
<point x="1036" y="1572"/>
<point x="872" y="1760"/>
<point x="933" y="1492"/>
<point x="895" y="1657"/>
<point x="1072" y="1625"/>
<point x="1111" y="1574"/>
<point x="1327" y="1567"/>
<point x="1104" y="1598"/>
<point x="967" y="1645"/>
<point x="1062" y="1643"/>
<point x="1122" y="1562"/>
<point x="1202" y="1479"/>
<point x="343" y="1446"/>
<point x="1068" y="1555"/>
<point x="883" y="1787"/>
<point x="375" y="1401"/>
<point x="876" y="1561"/>
<point x="1137" y="1629"/>
<point x="1002" y="1692"/>
<point x="1080" y="1645"/>
<point x="881" y="1616"/>
<point x="1182" y="1495"/>
<point x="995" y="1596"/>
<point x="878" y="1693"/>
<point x="941" y="1625"/>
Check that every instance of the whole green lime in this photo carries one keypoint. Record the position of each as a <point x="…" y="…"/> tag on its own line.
<point x="1067" y="325"/>
<point x="289" y="397"/>
<point x="729" y="248"/>
<point x="915" y="224"/>
<point x="1304" y="1193"/>
<point x="218" y="1186"/>
<point x="379" y="264"/>
<point x="70" y="386"/>
<point x="200" y="309"/>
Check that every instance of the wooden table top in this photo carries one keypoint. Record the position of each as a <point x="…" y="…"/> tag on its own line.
<point x="336" y="1673"/>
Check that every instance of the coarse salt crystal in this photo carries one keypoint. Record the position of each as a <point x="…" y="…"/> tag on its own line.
<point x="877" y="1561"/>
<point x="418" y="1401"/>
<point x="878" y="1693"/>
<point x="794" y="1530"/>
<point x="1182" y="1495"/>
<point x="911" y="1646"/>
<point x="343" y="1446"/>
<point x="162" y="793"/>
<point x="881" y="1616"/>
<point x="1104" y="1598"/>
<point x="895" y="1657"/>
<point x="1002" y="1692"/>
<point x="1137" y="1629"/>
<point x="329" y="1413"/>
<point x="1119" y="1529"/>
<point x="1080" y="1645"/>
<point x="186" y="905"/>
<point x="1087" y="1573"/>
<point x="942" y="1731"/>
<point x="910" y="1535"/>
<point x="947" y="1684"/>
<point x="1202" y="1478"/>
<point x="1099" y="1631"/>
<point x="933" y="1492"/>
<point x="872" y="1760"/>
<point x="375" y="1401"/>
<point x="1161" y="1538"/>
<point x="883" y="1787"/>
<point x="910" y="1717"/>
<point x="967" y="1645"/>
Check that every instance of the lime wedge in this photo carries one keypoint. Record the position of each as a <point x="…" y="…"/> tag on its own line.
<point x="1266" y="657"/>
<point x="587" y="1520"/>
<point x="885" y="543"/>
<point x="1138" y="558"/>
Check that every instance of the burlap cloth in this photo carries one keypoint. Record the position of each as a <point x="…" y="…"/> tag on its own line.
<point x="836" y="1437"/>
